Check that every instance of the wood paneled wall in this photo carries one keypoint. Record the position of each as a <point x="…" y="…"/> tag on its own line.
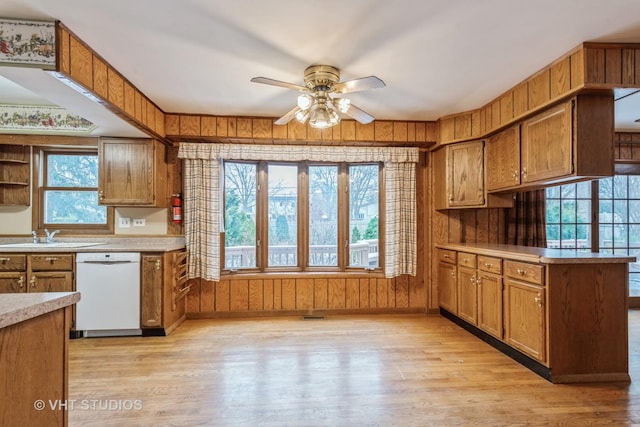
<point x="82" y="66"/>
<point x="304" y="295"/>
<point x="190" y="127"/>
<point x="627" y="146"/>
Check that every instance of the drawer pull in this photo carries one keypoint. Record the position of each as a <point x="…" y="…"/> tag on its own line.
<point x="33" y="281"/>
<point x="446" y="256"/>
<point x="21" y="282"/>
<point x="521" y="272"/>
<point x="51" y="259"/>
<point x="5" y="259"/>
<point x="488" y="264"/>
<point x="157" y="265"/>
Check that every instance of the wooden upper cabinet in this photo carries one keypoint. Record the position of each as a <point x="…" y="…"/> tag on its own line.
<point x="502" y="153"/>
<point x="547" y="148"/>
<point x="569" y="142"/>
<point x="132" y="172"/>
<point x="15" y="171"/>
<point x="459" y="176"/>
<point x="465" y="166"/>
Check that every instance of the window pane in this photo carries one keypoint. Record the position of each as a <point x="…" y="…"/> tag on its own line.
<point x="323" y="215"/>
<point x="606" y="236"/>
<point x="72" y="170"/>
<point x="553" y="192"/>
<point x="634" y="236"/>
<point x="364" y="191"/>
<point x="584" y="237"/>
<point x="584" y="190"/>
<point x="620" y="187"/>
<point x="553" y="211"/>
<point x="606" y="212"/>
<point x="606" y="188"/>
<point x="283" y="215"/>
<point x="240" y="215"/>
<point x="634" y="187"/>
<point x="73" y="207"/>
<point x="583" y="214"/>
<point x="568" y="211"/>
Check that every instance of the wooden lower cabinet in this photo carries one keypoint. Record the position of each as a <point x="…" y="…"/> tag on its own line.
<point x="490" y="303"/>
<point x="524" y="318"/>
<point x="447" y="284"/>
<point x="163" y="289"/>
<point x="564" y="316"/>
<point x="36" y="273"/>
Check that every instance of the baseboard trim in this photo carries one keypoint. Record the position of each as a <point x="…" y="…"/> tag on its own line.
<point x="289" y="313"/>
<point x="526" y="361"/>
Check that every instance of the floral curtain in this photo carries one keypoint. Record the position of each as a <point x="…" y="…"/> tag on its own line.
<point x="202" y="194"/>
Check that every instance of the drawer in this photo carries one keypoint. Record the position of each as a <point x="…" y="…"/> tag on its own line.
<point x="524" y="271"/>
<point x="446" y="255"/>
<point x="490" y="264"/>
<point x="12" y="262"/>
<point x="51" y="262"/>
<point x="466" y="260"/>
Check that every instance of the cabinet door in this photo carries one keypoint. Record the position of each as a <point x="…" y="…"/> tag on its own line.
<point x="547" y="145"/>
<point x="467" y="295"/>
<point x="525" y="318"/>
<point x="490" y="303"/>
<point x="125" y="172"/>
<point x="151" y="290"/>
<point x="465" y="183"/>
<point x="12" y="282"/>
<point x="447" y="287"/>
<point x="51" y="281"/>
<point x="502" y="155"/>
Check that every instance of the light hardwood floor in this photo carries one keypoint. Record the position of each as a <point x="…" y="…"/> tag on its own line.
<point x="391" y="370"/>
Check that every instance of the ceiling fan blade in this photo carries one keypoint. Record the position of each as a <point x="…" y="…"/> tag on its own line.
<point x="288" y="116"/>
<point x="272" y="82"/>
<point x="356" y="85"/>
<point x="359" y="114"/>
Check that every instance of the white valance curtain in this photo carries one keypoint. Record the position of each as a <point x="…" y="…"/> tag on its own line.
<point x="202" y="196"/>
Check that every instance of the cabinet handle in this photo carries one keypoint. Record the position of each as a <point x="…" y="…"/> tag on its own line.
<point x="446" y="256"/>
<point x="479" y="281"/>
<point x="21" y="282"/>
<point x="51" y="258"/>
<point x="157" y="264"/>
<point x="524" y="172"/>
<point x="100" y="195"/>
<point x="33" y="281"/>
<point x="450" y="198"/>
<point x="453" y="274"/>
<point x="5" y="259"/>
<point x="521" y="272"/>
<point x="515" y="175"/>
<point x="488" y="264"/>
<point x="473" y="280"/>
<point x="538" y="300"/>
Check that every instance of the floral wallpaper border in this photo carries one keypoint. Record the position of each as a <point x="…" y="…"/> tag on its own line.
<point x="42" y="119"/>
<point x="28" y="43"/>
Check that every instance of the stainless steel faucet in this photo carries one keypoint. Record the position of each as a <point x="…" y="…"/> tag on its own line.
<point x="50" y="235"/>
<point x="35" y="236"/>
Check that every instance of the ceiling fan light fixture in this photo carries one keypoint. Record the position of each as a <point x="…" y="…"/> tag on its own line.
<point x="343" y="105"/>
<point x="323" y="117"/>
<point x="302" y="115"/>
<point x="305" y="101"/>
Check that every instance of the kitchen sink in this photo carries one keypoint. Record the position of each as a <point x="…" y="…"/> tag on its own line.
<point x="31" y="245"/>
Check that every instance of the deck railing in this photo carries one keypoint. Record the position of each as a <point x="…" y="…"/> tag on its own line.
<point x="363" y="253"/>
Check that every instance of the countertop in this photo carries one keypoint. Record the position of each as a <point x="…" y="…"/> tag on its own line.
<point x="16" y="308"/>
<point x="537" y="255"/>
<point x="103" y="244"/>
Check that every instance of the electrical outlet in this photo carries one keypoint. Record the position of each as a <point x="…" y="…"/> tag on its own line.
<point x="125" y="222"/>
<point x="139" y="222"/>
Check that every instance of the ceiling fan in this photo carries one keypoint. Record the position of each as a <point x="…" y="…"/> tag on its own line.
<point x="318" y="102"/>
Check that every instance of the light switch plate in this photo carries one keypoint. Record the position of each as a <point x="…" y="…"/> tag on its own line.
<point x="139" y="222"/>
<point x="125" y="222"/>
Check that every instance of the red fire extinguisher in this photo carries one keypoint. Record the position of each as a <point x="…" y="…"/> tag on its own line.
<point x="177" y="208"/>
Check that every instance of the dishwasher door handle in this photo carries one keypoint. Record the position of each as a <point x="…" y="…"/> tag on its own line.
<point x="105" y="262"/>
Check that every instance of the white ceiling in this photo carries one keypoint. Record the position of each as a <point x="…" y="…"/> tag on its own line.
<point x="437" y="57"/>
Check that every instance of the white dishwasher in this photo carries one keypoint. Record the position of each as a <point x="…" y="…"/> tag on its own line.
<point x="109" y="286"/>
